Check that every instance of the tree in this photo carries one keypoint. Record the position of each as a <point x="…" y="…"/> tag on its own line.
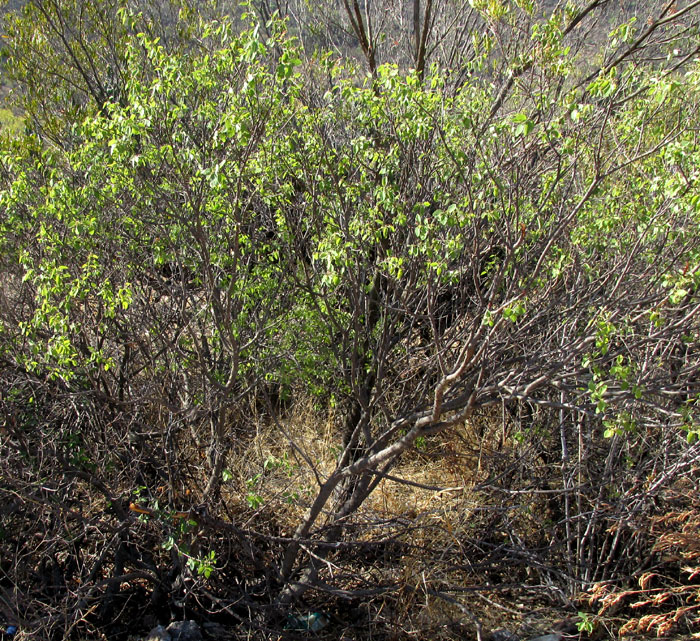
<point x="409" y="250"/>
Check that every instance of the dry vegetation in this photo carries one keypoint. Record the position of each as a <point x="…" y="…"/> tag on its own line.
<point x="286" y="333"/>
<point x="466" y="537"/>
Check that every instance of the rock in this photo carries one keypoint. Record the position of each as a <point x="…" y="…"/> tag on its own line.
<point x="185" y="631"/>
<point x="503" y="635"/>
<point x="548" y="637"/>
<point x="315" y="621"/>
<point x="566" y="627"/>
<point x="159" y="633"/>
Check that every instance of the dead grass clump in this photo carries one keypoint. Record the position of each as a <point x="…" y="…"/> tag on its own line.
<point x="447" y="559"/>
<point x="274" y="478"/>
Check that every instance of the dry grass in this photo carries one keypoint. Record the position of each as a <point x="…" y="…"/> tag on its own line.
<point x="439" y="545"/>
<point x="417" y="540"/>
<point x="454" y="545"/>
